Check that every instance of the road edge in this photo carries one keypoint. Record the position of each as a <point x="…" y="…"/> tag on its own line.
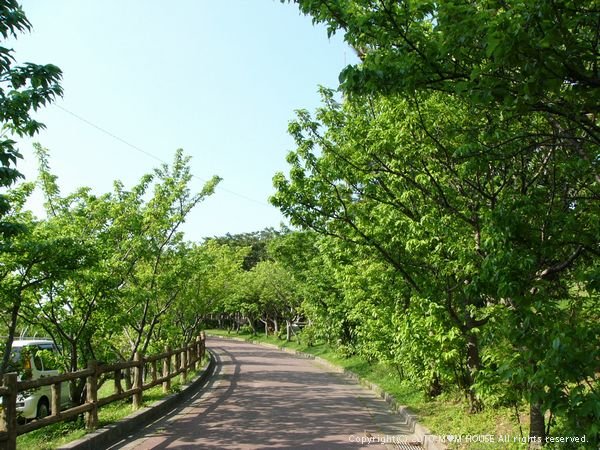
<point x="114" y="432"/>
<point x="428" y="440"/>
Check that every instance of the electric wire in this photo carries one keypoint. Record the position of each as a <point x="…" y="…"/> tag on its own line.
<point x="150" y="155"/>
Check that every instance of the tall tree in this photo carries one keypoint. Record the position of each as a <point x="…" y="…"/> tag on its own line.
<point x="31" y="261"/>
<point x="136" y="269"/>
<point x="23" y="88"/>
<point x="149" y="288"/>
<point x="257" y="241"/>
<point x="522" y="180"/>
<point x="522" y="57"/>
<point x="468" y="225"/>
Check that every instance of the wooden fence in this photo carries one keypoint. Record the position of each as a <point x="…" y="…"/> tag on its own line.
<point x="145" y="375"/>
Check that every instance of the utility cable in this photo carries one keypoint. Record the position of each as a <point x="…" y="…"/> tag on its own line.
<point x="150" y="155"/>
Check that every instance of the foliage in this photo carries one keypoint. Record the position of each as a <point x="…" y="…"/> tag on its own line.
<point x="27" y="261"/>
<point x="30" y="262"/>
<point x="446" y="206"/>
<point x="461" y="165"/>
<point x="116" y="268"/>
<point x="22" y="89"/>
<point x="257" y="242"/>
<point x="522" y="57"/>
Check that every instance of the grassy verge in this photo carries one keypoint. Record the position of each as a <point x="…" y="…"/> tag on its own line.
<point x="445" y="415"/>
<point x="54" y="436"/>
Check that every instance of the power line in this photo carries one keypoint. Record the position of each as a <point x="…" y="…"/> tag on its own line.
<point x="150" y="155"/>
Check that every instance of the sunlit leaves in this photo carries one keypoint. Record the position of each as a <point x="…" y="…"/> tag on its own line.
<point x="23" y="89"/>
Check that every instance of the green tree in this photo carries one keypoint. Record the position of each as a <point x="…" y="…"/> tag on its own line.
<point x="137" y="266"/>
<point x="501" y="183"/>
<point x="523" y="57"/>
<point x="208" y="285"/>
<point x="22" y="89"/>
<point x="221" y="279"/>
<point x="278" y="293"/>
<point x="80" y="312"/>
<point x="312" y="261"/>
<point x="469" y="225"/>
<point x="31" y="261"/>
<point x="257" y="241"/>
<point x="155" y="283"/>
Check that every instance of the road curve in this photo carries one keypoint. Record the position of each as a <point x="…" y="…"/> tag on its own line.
<point x="264" y="398"/>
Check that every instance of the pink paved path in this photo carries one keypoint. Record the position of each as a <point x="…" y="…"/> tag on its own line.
<point x="265" y="398"/>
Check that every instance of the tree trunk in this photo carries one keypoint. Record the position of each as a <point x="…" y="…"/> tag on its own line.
<point x="537" y="425"/>
<point x="473" y="366"/>
<point x="11" y="335"/>
<point x="435" y="387"/>
<point x="265" y="322"/>
<point x="288" y="325"/>
<point x="295" y="335"/>
<point x="250" y="322"/>
<point x="76" y="387"/>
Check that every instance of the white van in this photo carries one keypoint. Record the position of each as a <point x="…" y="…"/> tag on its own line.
<point x="41" y="361"/>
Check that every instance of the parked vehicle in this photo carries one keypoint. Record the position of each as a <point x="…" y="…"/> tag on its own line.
<point x="33" y="359"/>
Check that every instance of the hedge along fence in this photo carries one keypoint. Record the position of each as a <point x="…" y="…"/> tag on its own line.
<point x="145" y="376"/>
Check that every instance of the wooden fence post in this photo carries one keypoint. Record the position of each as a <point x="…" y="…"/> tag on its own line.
<point x="203" y="337"/>
<point x="166" y="386"/>
<point x="167" y="370"/>
<point x="153" y="372"/>
<point x="91" y="388"/>
<point x="199" y="349"/>
<point x="191" y="352"/>
<point x="9" y="412"/>
<point x="177" y="360"/>
<point x="55" y="400"/>
<point x="184" y="366"/>
<point x="138" y="373"/>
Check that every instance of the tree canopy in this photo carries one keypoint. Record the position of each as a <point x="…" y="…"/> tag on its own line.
<point x="462" y="160"/>
<point x="23" y="89"/>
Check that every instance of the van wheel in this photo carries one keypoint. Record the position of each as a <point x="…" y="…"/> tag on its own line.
<point x="43" y="409"/>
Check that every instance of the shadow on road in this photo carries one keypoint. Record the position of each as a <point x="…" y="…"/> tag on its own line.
<point x="262" y="398"/>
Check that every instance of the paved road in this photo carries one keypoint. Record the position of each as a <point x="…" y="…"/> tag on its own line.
<point x="265" y="398"/>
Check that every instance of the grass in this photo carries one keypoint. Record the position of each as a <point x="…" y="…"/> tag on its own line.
<point x="445" y="415"/>
<point x="54" y="436"/>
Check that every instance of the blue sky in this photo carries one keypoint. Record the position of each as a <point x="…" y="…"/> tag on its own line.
<point x="219" y="79"/>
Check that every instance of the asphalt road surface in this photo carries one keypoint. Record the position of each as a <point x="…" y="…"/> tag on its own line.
<point x="261" y="398"/>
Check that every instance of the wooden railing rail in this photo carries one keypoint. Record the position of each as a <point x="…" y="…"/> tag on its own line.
<point x="145" y="375"/>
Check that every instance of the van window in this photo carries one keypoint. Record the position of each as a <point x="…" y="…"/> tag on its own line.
<point x="37" y="362"/>
<point x="31" y="353"/>
<point x="49" y="356"/>
<point x="24" y="368"/>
